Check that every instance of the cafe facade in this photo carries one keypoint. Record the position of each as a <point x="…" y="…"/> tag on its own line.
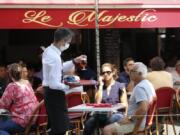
<point x="139" y="29"/>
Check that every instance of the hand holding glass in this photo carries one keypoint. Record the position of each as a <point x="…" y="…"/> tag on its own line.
<point x="83" y="63"/>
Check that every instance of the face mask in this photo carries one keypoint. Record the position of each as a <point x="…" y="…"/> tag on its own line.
<point x="65" y="47"/>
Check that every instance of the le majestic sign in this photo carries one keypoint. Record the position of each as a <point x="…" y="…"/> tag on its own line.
<point x="107" y="18"/>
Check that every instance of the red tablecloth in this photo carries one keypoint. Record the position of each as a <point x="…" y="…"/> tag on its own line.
<point x="99" y="105"/>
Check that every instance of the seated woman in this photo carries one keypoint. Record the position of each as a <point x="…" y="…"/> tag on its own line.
<point x="109" y="91"/>
<point x="19" y="99"/>
<point x="28" y="74"/>
<point x="24" y="74"/>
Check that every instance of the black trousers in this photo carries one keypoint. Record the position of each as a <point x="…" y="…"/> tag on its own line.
<point x="56" y="108"/>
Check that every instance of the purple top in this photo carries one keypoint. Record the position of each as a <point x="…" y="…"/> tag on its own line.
<point x="115" y="93"/>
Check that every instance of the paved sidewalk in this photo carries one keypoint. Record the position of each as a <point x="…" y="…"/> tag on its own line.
<point x="170" y="129"/>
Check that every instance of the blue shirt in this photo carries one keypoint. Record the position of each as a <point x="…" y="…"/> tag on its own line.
<point x="143" y="91"/>
<point x="124" y="78"/>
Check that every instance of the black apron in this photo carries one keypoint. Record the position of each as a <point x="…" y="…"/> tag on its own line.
<point x="56" y="108"/>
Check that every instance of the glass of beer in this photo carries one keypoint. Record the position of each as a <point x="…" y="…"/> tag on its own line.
<point x="83" y="63"/>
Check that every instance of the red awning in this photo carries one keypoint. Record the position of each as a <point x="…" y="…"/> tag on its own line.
<point x="90" y="2"/>
<point x="38" y="14"/>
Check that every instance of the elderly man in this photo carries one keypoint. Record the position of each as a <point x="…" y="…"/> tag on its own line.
<point x="143" y="94"/>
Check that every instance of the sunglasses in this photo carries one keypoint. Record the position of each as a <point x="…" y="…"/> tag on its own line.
<point x="108" y="72"/>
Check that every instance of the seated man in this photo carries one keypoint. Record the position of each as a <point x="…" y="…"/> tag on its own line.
<point x="158" y="76"/>
<point x="143" y="94"/>
<point x="124" y="76"/>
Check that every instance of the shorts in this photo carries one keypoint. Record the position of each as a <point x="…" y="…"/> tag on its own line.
<point x="122" y="129"/>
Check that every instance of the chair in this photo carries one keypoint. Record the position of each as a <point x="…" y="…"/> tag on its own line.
<point x="39" y="93"/>
<point x="178" y="98"/>
<point x="165" y="97"/>
<point x="149" y="118"/>
<point x="177" y="102"/>
<point x="38" y="115"/>
<point x="39" y="96"/>
<point x="42" y="120"/>
<point x="150" y="115"/>
<point x="77" y="118"/>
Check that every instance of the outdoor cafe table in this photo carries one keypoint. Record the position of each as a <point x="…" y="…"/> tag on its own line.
<point x="4" y="114"/>
<point x="85" y="108"/>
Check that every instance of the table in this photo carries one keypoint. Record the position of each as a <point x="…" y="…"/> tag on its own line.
<point x="3" y="111"/>
<point x="4" y="114"/>
<point x="84" y="108"/>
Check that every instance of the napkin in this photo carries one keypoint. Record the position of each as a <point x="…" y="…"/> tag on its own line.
<point x="99" y="105"/>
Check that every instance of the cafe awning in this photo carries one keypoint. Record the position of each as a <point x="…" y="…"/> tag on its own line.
<point x="50" y="14"/>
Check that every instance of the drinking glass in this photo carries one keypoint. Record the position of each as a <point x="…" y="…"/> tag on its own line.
<point x="83" y="63"/>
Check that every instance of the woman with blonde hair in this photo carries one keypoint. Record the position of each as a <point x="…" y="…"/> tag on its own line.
<point x="109" y="91"/>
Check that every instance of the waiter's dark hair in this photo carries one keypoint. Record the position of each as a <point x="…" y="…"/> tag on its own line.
<point x="63" y="34"/>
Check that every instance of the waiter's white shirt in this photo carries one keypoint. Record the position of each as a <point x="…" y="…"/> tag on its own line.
<point x="53" y="67"/>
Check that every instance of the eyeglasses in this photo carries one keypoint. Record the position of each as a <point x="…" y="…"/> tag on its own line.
<point x="108" y="72"/>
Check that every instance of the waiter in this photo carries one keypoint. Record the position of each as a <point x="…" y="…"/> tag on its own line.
<point x="52" y="80"/>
